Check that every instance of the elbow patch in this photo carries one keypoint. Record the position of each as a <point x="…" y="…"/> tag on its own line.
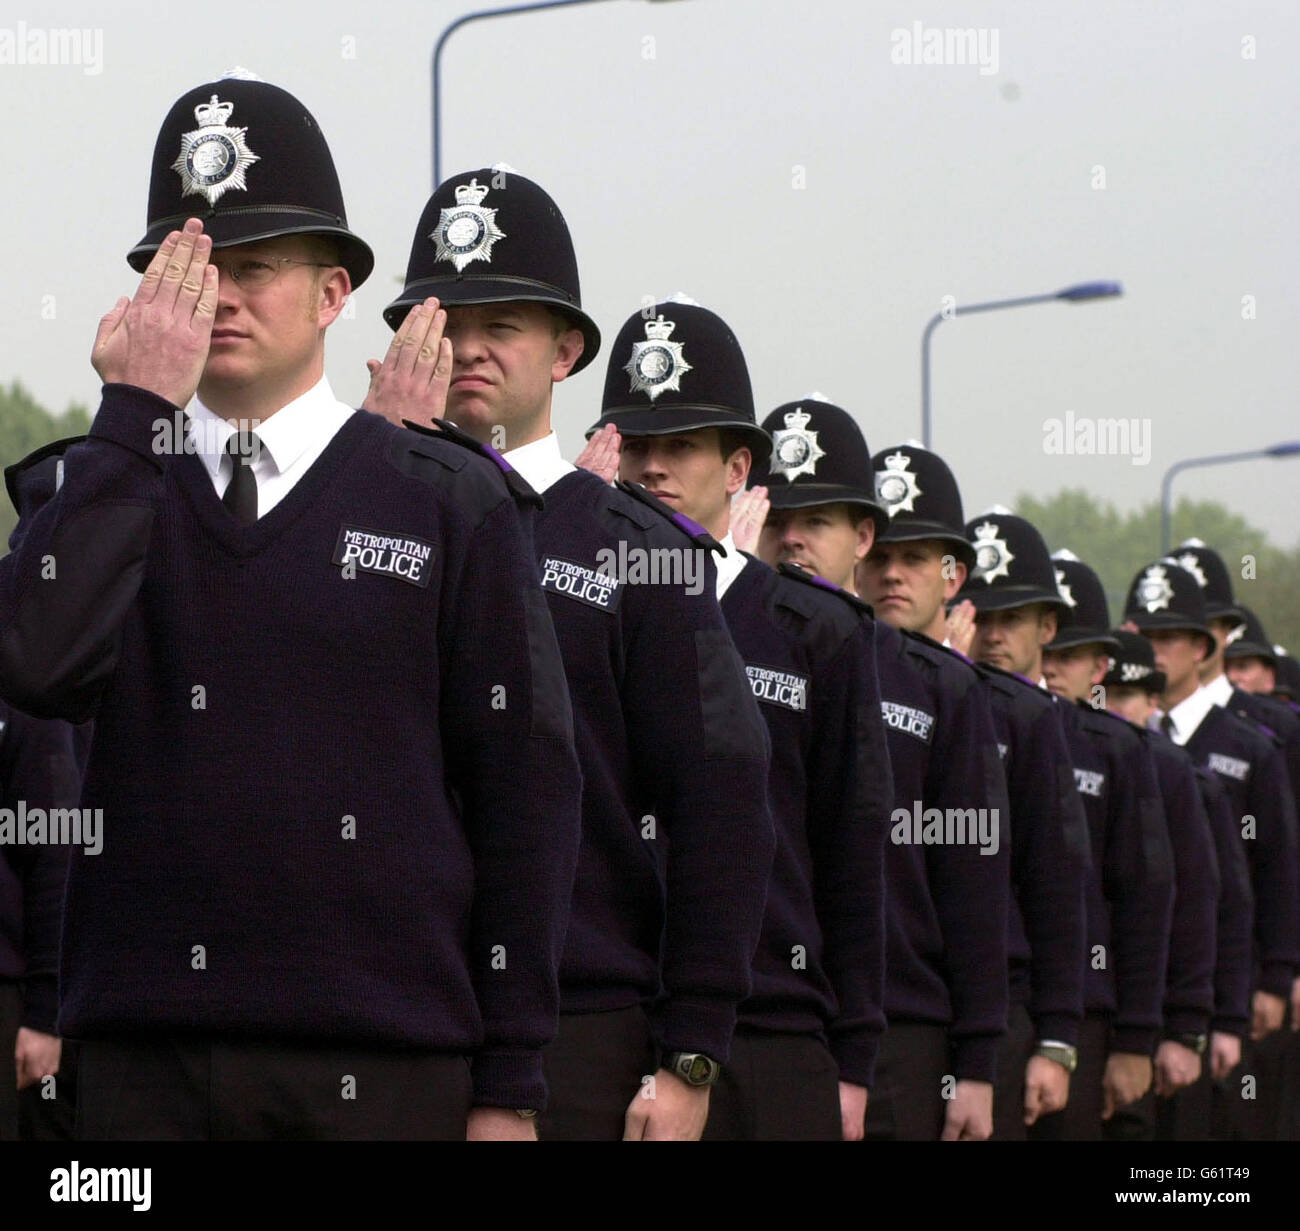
<point x="733" y="728"/>
<point x="552" y="716"/>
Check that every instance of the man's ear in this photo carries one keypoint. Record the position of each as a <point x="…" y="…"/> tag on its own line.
<point x="1046" y="627"/>
<point x="738" y="465"/>
<point x="568" y="350"/>
<point x="335" y="287"/>
<point x="866" y="538"/>
<point x="954" y="577"/>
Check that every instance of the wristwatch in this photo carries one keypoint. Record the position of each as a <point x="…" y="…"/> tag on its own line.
<point x="1193" y="1042"/>
<point x="693" y="1067"/>
<point x="1064" y="1055"/>
<point x="526" y="1113"/>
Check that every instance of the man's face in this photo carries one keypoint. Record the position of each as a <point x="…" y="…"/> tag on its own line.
<point x="1179" y="653"/>
<point x="1071" y="673"/>
<point x="686" y="471"/>
<point x="908" y="584"/>
<point x="269" y="338"/>
<point x="1013" y="639"/>
<point x="1251" y="675"/>
<point x="505" y="358"/>
<point x="1134" y="704"/>
<point x="822" y="539"/>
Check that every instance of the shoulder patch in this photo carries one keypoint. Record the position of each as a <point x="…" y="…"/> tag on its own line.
<point x="441" y="429"/>
<point x="693" y="530"/>
<point x="802" y="575"/>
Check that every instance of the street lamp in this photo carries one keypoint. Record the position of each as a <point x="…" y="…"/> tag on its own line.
<point x="1072" y="294"/>
<point x="437" y="59"/>
<point x="1285" y="449"/>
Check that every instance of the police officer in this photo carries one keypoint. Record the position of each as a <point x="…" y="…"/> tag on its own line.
<point x="1075" y="665"/>
<point x="946" y="887"/>
<point x="1249" y="658"/>
<point x="677" y="390"/>
<point x="1133" y="687"/>
<point x="1166" y="603"/>
<point x="1129" y="886"/>
<point x="320" y="669"/>
<point x="673" y="751"/>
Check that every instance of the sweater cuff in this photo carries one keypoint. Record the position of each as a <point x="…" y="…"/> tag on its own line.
<point x="975" y="1057"/>
<point x="40" y="1003"/>
<point x="146" y="424"/>
<point x="1238" y="1026"/>
<point x="1186" y="1021"/>
<point x="1133" y="1040"/>
<point x="1276" y="977"/>
<point x="1062" y="1027"/>
<point x="698" y="1026"/>
<point x="506" y="1078"/>
<point x="856" y="1056"/>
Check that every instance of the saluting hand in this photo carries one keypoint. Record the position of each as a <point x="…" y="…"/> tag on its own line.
<point x="961" y="627"/>
<point x="601" y="456"/>
<point x="159" y="340"/>
<point x="413" y="380"/>
<point x="749" y="510"/>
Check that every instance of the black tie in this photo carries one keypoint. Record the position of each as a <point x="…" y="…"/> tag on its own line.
<point x="241" y="493"/>
<point x="1167" y="725"/>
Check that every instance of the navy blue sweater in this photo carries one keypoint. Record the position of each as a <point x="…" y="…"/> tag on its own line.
<point x="1130" y="886"/>
<point x="1235" y="917"/>
<point x="1189" y="982"/>
<point x="674" y="764"/>
<point x="38" y="768"/>
<point x="1251" y="770"/>
<point x="945" y="904"/>
<point x="810" y="657"/>
<point x="340" y="804"/>
<point x="1046" y="937"/>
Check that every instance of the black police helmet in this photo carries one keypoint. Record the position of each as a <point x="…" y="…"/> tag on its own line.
<point x="493" y="236"/>
<point x="819" y="456"/>
<point x="677" y="367"/>
<point x="1133" y="663"/>
<point x="1012" y="567"/>
<point x="1164" y="595"/>
<point x="1081" y="588"/>
<point x="248" y="159"/>
<point x="1249" y="640"/>
<point x="920" y="495"/>
<point x="1211" y="574"/>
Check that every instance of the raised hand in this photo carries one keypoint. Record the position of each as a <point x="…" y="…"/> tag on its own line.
<point x="159" y="340"/>
<point x="749" y="511"/>
<point x="602" y="453"/>
<point x="413" y="380"/>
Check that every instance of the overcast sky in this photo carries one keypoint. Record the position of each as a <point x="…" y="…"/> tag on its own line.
<point x="772" y="160"/>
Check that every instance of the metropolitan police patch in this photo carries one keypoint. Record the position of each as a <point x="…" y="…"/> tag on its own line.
<point x="905" y="718"/>
<point x="387" y="555"/>
<point x="594" y="586"/>
<point x="781" y="688"/>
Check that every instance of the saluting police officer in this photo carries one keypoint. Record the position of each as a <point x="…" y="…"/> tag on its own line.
<point x="673" y="751"/>
<point x="1165" y="603"/>
<point x="1129" y="887"/>
<point x="1075" y="665"/>
<point x="1133" y="687"/>
<point x="332" y="742"/>
<point x="947" y="864"/>
<point x="677" y="390"/>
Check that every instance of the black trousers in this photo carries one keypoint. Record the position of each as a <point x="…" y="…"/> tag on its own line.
<point x="1016" y="1047"/>
<point x="168" y="1089"/>
<point x="907" y="1101"/>
<point x="1186" y="1116"/>
<point x="1256" y="1110"/>
<point x="1080" y="1120"/>
<point x="594" y="1069"/>
<point x="11" y="1010"/>
<point x="776" y="1087"/>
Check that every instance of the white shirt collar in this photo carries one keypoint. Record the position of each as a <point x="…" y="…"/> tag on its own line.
<point x="730" y="566"/>
<point x="1189" y="713"/>
<point x="308" y="422"/>
<point x="540" y="463"/>
<point x="1219" y="690"/>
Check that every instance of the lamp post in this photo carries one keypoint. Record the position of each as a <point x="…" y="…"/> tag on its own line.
<point x="1072" y="294"/>
<point x="463" y="20"/>
<point x="1285" y="449"/>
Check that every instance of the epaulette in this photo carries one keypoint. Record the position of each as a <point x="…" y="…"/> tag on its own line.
<point x="518" y="485"/>
<point x="35" y="479"/>
<point x="1012" y="682"/>
<point x="796" y="573"/>
<point x="692" y="529"/>
<point x="936" y="647"/>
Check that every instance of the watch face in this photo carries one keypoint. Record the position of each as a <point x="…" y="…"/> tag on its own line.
<point x="699" y="1070"/>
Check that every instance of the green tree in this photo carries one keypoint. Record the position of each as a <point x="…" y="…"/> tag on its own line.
<point x="1264" y="577"/>
<point x="26" y="425"/>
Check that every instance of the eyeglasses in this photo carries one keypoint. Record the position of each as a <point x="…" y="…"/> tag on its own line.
<point x="254" y="272"/>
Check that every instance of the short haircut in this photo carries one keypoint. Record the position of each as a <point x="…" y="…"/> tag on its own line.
<point x="732" y="438"/>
